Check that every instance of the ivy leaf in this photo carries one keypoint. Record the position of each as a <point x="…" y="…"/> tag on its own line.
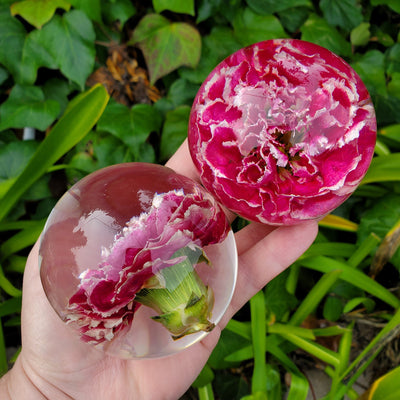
<point x="12" y="38"/>
<point x="393" y="4"/>
<point x="250" y="27"/>
<point x="318" y="31"/>
<point x="131" y="125"/>
<point x="360" y="35"/>
<point x="343" y="13"/>
<point x="267" y="7"/>
<point x="70" y="42"/>
<point x="178" y="6"/>
<point x="38" y="12"/>
<point x="27" y="106"/>
<point x="92" y="8"/>
<point x="166" y="46"/>
<point x="174" y="131"/>
<point x="370" y="67"/>
<point x="121" y="10"/>
<point x="212" y="53"/>
<point x="14" y="156"/>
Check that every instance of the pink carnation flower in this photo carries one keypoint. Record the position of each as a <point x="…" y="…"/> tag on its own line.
<point x="282" y="131"/>
<point x="104" y="303"/>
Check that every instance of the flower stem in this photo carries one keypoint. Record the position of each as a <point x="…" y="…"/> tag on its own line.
<point x="179" y="296"/>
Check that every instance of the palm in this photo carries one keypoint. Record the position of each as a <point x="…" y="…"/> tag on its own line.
<point x="56" y="361"/>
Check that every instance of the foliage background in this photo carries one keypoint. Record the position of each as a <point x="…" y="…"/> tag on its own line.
<point x="152" y="56"/>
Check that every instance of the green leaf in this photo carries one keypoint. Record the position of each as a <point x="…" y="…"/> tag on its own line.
<point x="131" y="125"/>
<point x="80" y="116"/>
<point x="120" y="11"/>
<point x="380" y="219"/>
<point x="177" y="6"/>
<point x="360" y="35"/>
<point x="343" y="13"/>
<point x="386" y="387"/>
<point x="250" y="27"/>
<point x="10" y="306"/>
<point x="14" y="156"/>
<point x="69" y="40"/>
<point x="27" y="106"/>
<point x="318" y="31"/>
<point x="333" y="308"/>
<point x="12" y="38"/>
<point x="174" y="131"/>
<point x="267" y="7"/>
<point x="293" y="18"/>
<point x="166" y="46"/>
<point x="92" y="8"/>
<point x="38" y="12"/>
<point x="205" y="377"/>
<point x="352" y="276"/>
<point x="370" y="67"/>
<point x="383" y="169"/>
<point x="392" y="59"/>
<point x="393" y="4"/>
<point x="278" y="300"/>
<point x="212" y="53"/>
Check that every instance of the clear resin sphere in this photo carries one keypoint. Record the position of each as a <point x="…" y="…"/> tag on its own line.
<point x="139" y="260"/>
<point x="282" y="131"/>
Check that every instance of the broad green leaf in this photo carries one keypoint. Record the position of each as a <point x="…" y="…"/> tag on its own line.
<point x="392" y="131"/>
<point x="383" y="169"/>
<point x="58" y="90"/>
<point x="250" y="27"/>
<point x="12" y="38"/>
<point x="80" y="116"/>
<point x="207" y="9"/>
<point x="174" y="131"/>
<point x="69" y="40"/>
<point x="393" y="86"/>
<point x="360" y="35"/>
<point x="386" y="387"/>
<point x="27" y="106"/>
<point x="370" y="67"/>
<point x="380" y="220"/>
<point x="343" y="13"/>
<point x="317" y="30"/>
<point x="177" y="6"/>
<point x="13" y="158"/>
<point x="333" y="308"/>
<point x="92" y="8"/>
<point x="38" y="12"/>
<point x="393" y="4"/>
<point x="120" y="11"/>
<point x="293" y="18"/>
<point x="182" y="92"/>
<point x="212" y="53"/>
<point x="267" y="7"/>
<point x="131" y="125"/>
<point x="392" y="59"/>
<point x="3" y="75"/>
<point x="166" y="45"/>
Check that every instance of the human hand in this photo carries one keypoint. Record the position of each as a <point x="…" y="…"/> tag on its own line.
<point x="55" y="364"/>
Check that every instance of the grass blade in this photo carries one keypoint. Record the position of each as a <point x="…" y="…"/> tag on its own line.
<point x="353" y="276"/>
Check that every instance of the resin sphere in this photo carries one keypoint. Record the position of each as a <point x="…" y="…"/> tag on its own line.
<point x="282" y="131"/>
<point x="139" y="260"/>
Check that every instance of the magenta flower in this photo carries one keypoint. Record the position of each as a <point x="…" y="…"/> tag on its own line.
<point x="172" y="232"/>
<point x="282" y="131"/>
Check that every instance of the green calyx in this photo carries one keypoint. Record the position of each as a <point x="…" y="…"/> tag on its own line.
<point x="179" y="296"/>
